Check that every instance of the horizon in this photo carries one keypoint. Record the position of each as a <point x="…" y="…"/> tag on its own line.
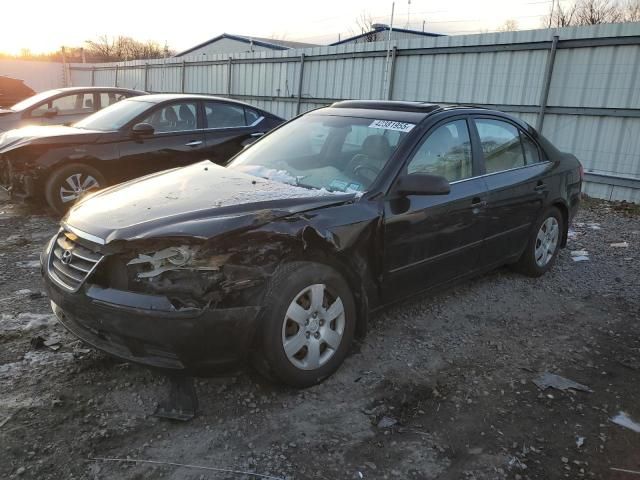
<point x="182" y="29"/>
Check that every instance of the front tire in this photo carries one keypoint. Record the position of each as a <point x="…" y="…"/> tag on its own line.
<point x="543" y="246"/>
<point x="65" y="185"/>
<point x="309" y="323"/>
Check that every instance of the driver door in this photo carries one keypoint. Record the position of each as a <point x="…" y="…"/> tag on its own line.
<point x="433" y="239"/>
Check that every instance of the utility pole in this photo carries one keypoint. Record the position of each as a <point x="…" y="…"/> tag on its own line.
<point x="386" y="63"/>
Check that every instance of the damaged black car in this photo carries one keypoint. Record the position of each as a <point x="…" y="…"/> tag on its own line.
<point x="281" y="256"/>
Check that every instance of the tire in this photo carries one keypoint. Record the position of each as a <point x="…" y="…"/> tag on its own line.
<point x="317" y="345"/>
<point x="81" y="177"/>
<point x="536" y="260"/>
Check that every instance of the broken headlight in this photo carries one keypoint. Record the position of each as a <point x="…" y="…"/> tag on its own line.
<point x="184" y="257"/>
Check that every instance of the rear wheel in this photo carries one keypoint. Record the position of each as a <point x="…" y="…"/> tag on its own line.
<point x="310" y="318"/>
<point x="543" y="245"/>
<point x="67" y="184"/>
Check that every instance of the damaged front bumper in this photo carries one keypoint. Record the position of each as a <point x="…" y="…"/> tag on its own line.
<point x="146" y="329"/>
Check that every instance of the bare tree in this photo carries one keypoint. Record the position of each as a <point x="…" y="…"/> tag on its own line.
<point x="364" y="26"/>
<point x="631" y="11"/>
<point x="509" y="26"/>
<point x="562" y="14"/>
<point x="105" y="49"/>
<point x="595" y="12"/>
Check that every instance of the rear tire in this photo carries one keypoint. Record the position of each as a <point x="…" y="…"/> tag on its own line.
<point x="66" y="184"/>
<point x="308" y="323"/>
<point x="543" y="246"/>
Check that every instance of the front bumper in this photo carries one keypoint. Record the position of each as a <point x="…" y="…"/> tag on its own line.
<point x="19" y="184"/>
<point x="144" y="329"/>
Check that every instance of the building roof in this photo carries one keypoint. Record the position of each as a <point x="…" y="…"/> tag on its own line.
<point x="385" y="28"/>
<point x="260" y="41"/>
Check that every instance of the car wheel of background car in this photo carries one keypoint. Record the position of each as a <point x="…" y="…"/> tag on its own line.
<point x="543" y="246"/>
<point x="65" y="185"/>
<point x="309" y="322"/>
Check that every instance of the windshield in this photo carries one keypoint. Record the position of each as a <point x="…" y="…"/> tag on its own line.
<point x="114" y="116"/>
<point x="31" y="101"/>
<point x="339" y="154"/>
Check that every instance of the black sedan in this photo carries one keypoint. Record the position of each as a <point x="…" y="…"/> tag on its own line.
<point x="134" y="137"/>
<point x="282" y="255"/>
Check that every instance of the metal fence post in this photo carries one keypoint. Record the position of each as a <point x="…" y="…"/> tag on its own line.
<point x="184" y="75"/>
<point x="93" y="76"/>
<point x="300" y="80"/>
<point x="146" y="76"/>
<point x="392" y="72"/>
<point x="229" y="66"/>
<point x="116" y="81"/>
<point x="548" y="73"/>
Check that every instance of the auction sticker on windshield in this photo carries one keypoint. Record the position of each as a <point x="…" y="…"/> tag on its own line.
<point x="391" y="125"/>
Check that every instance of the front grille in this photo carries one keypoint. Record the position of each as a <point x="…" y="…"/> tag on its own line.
<point x="71" y="263"/>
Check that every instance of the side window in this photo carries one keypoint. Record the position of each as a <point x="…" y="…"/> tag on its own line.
<point x="224" y="115"/>
<point x="251" y="116"/>
<point x="75" y="104"/>
<point x="109" y="98"/>
<point x="445" y="152"/>
<point x="531" y="152"/>
<point x="500" y="144"/>
<point x="176" y="117"/>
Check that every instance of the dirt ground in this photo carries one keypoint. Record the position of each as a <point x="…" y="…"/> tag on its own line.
<point x="442" y="387"/>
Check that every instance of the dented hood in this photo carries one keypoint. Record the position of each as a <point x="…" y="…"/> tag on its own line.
<point x="48" y="134"/>
<point x="202" y="200"/>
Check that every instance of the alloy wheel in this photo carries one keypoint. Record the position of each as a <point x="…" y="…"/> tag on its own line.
<point x="547" y="241"/>
<point x="75" y="185"/>
<point x="313" y="327"/>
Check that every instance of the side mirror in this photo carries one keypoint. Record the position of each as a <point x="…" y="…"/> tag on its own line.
<point x="142" y="130"/>
<point x="422" y="184"/>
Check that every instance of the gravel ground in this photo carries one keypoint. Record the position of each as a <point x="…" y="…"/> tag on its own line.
<point x="442" y="387"/>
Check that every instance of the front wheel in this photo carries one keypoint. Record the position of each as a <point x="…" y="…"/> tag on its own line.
<point x="310" y="319"/>
<point x="543" y="246"/>
<point x="67" y="184"/>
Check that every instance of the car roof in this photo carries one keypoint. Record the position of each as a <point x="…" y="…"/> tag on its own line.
<point x="163" y="97"/>
<point x="405" y="111"/>
<point x="99" y="89"/>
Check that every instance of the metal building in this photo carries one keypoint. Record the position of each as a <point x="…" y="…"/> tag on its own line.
<point x="228" y="43"/>
<point x="380" y="33"/>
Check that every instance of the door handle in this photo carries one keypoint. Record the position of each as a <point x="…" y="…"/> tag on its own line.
<point x="540" y="186"/>
<point x="478" y="203"/>
<point x="257" y="134"/>
<point x="195" y="143"/>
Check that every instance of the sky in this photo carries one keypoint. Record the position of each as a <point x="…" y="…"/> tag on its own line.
<point x="46" y="25"/>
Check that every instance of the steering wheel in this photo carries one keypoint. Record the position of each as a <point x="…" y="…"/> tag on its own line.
<point x="360" y="171"/>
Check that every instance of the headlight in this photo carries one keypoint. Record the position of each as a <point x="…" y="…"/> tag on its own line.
<point x="183" y="257"/>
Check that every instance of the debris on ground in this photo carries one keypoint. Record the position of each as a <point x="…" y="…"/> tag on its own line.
<point x="623" y="419"/>
<point x="579" y="255"/>
<point x="579" y="441"/>
<point x="387" y="422"/>
<point x="551" y="380"/>
<point x="620" y="245"/>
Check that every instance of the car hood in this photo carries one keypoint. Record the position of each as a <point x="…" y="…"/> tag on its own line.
<point x="5" y="111"/>
<point x="45" y="134"/>
<point x="202" y="200"/>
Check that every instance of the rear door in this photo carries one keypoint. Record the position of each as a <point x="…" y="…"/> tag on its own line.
<point x="178" y="140"/>
<point x="230" y="127"/>
<point x="517" y="183"/>
<point x="432" y="239"/>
